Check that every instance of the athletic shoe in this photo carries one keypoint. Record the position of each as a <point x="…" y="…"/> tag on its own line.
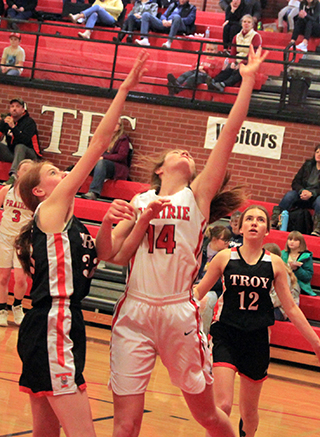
<point x="3" y="318"/>
<point x="316" y="233"/>
<point x="210" y="82"/>
<point x="90" y="195"/>
<point x="166" y="44"/>
<point x="143" y="42"/>
<point x="216" y="86"/>
<point x="74" y="18"/>
<point x="85" y="35"/>
<point x="302" y="46"/>
<point x="18" y="314"/>
<point x="172" y="85"/>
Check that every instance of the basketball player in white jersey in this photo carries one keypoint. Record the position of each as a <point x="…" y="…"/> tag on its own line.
<point x="157" y="314"/>
<point x="15" y="215"/>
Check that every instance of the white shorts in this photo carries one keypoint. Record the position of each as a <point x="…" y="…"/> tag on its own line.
<point x="169" y="327"/>
<point x="8" y="255"/>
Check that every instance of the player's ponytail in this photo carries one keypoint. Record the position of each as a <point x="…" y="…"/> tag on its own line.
<point x="226" y="201"/>
<point x="23" y="247"/>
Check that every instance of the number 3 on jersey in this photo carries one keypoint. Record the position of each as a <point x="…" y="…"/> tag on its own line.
<point x="165" y="239"/>
<point x="16" y="215"/>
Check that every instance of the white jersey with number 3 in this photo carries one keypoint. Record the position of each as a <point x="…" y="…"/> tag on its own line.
<point x="15" y="214"/>
<point x="167" y="260"/>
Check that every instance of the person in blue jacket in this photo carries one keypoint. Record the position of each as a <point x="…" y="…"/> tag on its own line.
<point x="179" y="17"/>
<point x="299" y="258"/>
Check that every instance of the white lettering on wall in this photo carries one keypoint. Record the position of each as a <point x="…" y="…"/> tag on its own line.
<point x="85" y="133"/>
<point x="56" y="126"/>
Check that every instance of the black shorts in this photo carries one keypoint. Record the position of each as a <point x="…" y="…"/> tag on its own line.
<point x="247" y="352"/>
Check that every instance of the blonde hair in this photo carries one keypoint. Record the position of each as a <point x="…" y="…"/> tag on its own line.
<point x="274" y="248"/>
<point x="116" y="135"/>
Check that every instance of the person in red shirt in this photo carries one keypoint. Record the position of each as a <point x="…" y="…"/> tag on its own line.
<point x="209" y="66"/>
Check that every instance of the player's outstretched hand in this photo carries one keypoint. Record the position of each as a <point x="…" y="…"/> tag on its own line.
<point x="154" y="208"/>
<point x="137" y="71"/>
<point x="120" y="210"/>
<point x="255" y="59"/>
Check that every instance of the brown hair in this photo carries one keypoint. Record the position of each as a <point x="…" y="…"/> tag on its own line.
<point x="262" y="208"/>
<point x="274" y="248"/>
<point x="223" y="203"/>
<point x="22" y="245"/>
<point x="217" y="232"/>
<point x="23" y="241"/>
<point x="296" y="235"/>
<point x="27" y="182"/>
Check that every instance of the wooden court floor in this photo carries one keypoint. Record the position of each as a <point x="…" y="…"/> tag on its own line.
<point x="289" y="407"/>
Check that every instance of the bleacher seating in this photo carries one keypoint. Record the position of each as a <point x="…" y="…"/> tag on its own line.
<point x="63" y="65"/>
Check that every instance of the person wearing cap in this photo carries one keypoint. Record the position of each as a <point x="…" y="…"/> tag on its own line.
<point x="20" y="10"/>
<point x="21" y="136"/>
<point x="13" y="56"/>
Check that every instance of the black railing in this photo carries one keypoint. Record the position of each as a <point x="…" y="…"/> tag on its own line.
<point x="109" y="78"/>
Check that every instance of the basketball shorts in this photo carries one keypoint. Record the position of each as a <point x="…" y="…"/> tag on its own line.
<point x="8" y="255"/>
<point x="169" y="327"/>
<point x="246" y="352"/>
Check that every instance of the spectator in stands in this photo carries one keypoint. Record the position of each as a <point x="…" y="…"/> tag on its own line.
<point x="21" y="136"/>
<point x="219" y="237"/>
<point x="209" y="65"/>
<point x="232" y="25"/>
<point x="178" y="18"/>
<point x="279" y="312"/>
<point x="13" y="56"/>
<point x="254" y="8"/>
<point x="236" y="238"/>
<point x="307" y="23"/>
<point x="105" y="12"/>
<point x="1" y="7"/>
<point x="231" y="76"/>
<point x="15" y="216"/>
<point x="305" y="192"/>
<point x="20" y="10"/>
<point x="289" y="12"/>
<point x="113" y="164"/>
<point x="133" y="22"/>
<point x="299" y="258"/>
<point x="240" y="332"/>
